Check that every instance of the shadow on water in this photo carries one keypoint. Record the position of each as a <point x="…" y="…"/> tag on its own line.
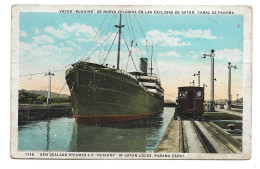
<point x="63" y="134"/>
<point x="48" y="135"/>
<point x="151" y="121"/>
<point x="133" y="136"/>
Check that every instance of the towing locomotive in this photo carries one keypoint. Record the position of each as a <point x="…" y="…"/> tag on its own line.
<point x="190" y="103"/>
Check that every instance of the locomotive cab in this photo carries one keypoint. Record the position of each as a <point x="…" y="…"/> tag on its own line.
<point x="190" y="102"/>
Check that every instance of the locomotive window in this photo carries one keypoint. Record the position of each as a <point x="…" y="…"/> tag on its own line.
<point x="198" y="94"/>
<point x="182" y="94"/>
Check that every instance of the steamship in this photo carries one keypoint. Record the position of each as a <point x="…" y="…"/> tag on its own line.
<point x="103" y="94"/>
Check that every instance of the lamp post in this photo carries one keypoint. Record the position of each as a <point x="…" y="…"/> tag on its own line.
<point x="237" y="98"/>
<point x="229" y="85"/>
<point x="198" y="74"/>
<point x="192" y="83"/>
<point x="49" y="87"/>
<point x="211" y="55"/>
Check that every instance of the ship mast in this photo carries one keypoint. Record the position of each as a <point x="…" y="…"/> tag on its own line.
<point x="119" y="40"/>
<point x="152" y="62"/>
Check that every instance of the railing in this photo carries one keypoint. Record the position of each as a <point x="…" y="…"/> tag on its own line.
<point x="36" y="102"/>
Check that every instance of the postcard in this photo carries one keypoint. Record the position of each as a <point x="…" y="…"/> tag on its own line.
<point x="131" y="82"/>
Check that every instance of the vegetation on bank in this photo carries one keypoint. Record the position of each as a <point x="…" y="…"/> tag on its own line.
<point x="26" y="96"/>
<point x="221" y="116"/>
<point x="224" y="124"/>
<point x="219" y="120"/>
<point x="169" y="103"/>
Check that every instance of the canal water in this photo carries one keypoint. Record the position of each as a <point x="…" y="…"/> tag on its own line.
<point x="63" y="134"/>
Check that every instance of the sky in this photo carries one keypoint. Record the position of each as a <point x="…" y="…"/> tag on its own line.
<point x="53" y="41"/>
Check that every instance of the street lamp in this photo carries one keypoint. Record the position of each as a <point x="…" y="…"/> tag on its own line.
<point x="211" y="55"/>
<point x="192" y="82"/>
<point x="229" y="85"/>
<point x="49" y="87"/>
<point x="198" y="74"/>
<point x="237" y="98"/>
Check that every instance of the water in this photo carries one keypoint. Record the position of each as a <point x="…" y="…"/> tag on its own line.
<point x="63" y="134"/>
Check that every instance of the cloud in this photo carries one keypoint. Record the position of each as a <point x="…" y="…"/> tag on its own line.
<point x="23" y="34"/>
<point x="231" y="55"/>
<point x="43" y="51"/>
<point x="80" y="29"/>
<point x="195" y="56"/>
<point x="109" y="38"/>
<point x="37" y="58"/>
<point x="82" y="40"/>
<point x="192" y="54"/>
<point x="43" y="39"/>
<point x="72" y="44"/>
<point x="69" y="46"/>
<point x="190" y="33"/>
<point x="170" y="53"/>
<point x="34" y="59"/>
<point x="67" y="49"/>
<point x="175" y="74"/>
<point x="36" y="31"/>
<point x="56" y="32"/>
<point x="24" y="48"/>
<point x="165" y="39"/>
<point x="85" y="33"/>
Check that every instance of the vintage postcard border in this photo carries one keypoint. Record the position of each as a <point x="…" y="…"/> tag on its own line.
<point x="246" y="11"/>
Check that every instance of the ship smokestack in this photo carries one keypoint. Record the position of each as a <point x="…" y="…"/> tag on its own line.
<point x="143" y="64"/>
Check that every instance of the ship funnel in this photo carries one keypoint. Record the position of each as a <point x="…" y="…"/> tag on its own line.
<point x="143" y="64"/>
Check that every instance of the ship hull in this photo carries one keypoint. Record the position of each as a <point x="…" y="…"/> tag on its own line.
<point x="106" y="95"/>
<point x="110" y="118"/>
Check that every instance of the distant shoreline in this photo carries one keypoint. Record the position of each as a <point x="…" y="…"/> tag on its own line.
<point x="169" y="105"/>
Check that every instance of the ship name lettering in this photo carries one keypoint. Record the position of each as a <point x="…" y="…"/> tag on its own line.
<point x="105" y="155"/>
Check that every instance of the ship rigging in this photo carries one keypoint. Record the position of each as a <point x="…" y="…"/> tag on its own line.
<point x="100" y="48"/>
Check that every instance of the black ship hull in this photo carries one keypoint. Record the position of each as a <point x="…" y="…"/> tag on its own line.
<point x="101" y="94"/>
